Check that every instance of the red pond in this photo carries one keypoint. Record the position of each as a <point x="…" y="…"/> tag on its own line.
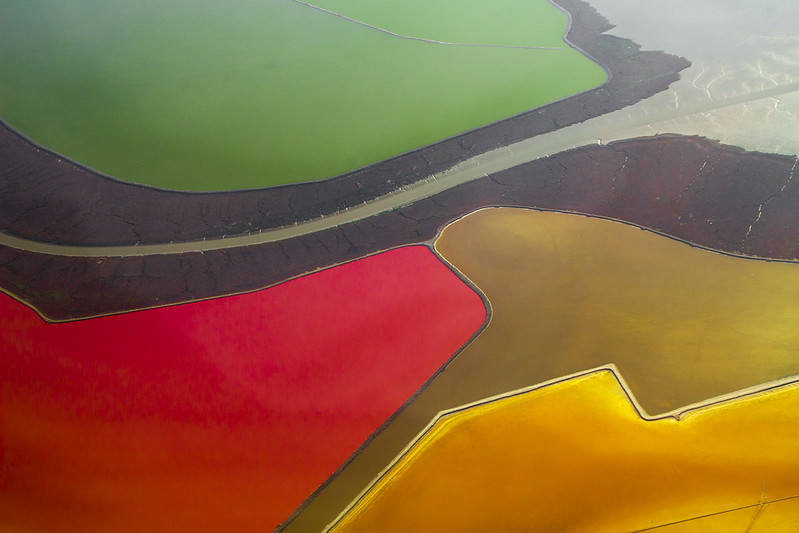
<point x="222" y="415"/>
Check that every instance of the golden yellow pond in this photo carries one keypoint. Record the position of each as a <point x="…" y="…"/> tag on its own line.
<point x="571" y="293"/>
<point x="577" y="456"/>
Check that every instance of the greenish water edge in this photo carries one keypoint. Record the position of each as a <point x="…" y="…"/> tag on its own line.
<point x="202" y="96"/>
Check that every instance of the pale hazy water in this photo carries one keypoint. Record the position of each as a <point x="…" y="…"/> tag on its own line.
<point x="744" y="53"/>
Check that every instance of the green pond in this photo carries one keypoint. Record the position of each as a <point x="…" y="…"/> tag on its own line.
<point x="209" y="95"/>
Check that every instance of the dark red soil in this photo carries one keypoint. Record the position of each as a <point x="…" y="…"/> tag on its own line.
<point x="686" y="187"/>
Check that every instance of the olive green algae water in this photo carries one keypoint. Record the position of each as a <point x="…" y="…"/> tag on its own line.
<point x="205" y="95"/>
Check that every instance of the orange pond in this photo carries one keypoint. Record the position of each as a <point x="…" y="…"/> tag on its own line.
<point x="571" y="292"/>
<point x="222" y="415"/>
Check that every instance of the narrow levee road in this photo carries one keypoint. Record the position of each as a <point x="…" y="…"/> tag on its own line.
<point x="483" y="165"/>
